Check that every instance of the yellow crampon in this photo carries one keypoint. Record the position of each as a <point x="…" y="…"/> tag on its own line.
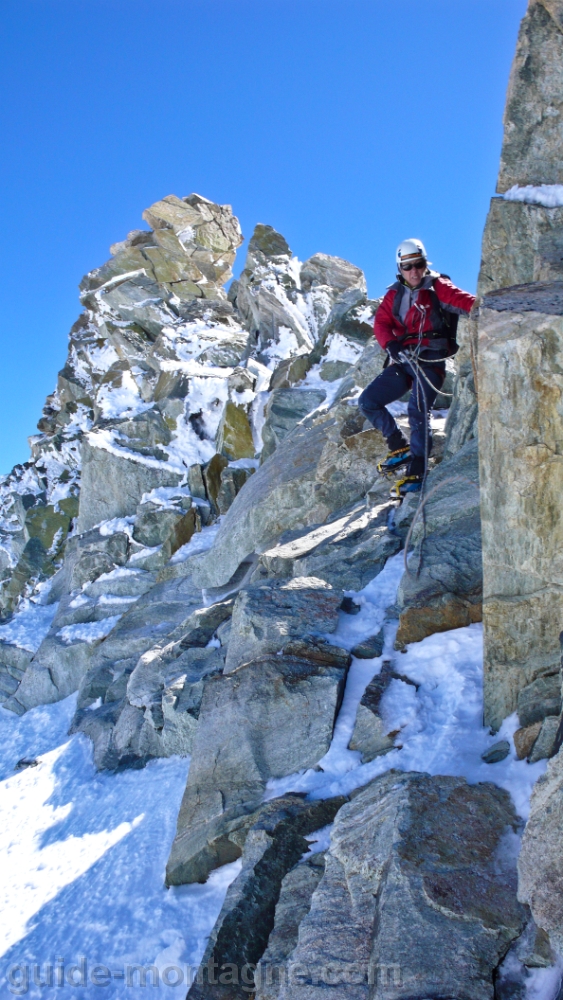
<point x="411" y="484"/>
<point x="394" y="458"/>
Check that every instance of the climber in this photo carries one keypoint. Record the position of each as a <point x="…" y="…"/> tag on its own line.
<point x="416" y="324"/>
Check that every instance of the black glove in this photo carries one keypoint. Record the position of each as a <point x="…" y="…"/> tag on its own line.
<point x="393" y="349"/>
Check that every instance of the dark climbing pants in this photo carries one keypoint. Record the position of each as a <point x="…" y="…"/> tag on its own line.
<point x="393" y="382"/>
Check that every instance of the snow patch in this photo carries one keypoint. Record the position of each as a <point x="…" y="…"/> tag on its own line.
<point x="28" y="628"/>
<point x="441" y="730"/>
<point x="88" y="631"/>
<point x="548" y="195"/>
<point x="84" y="855"/>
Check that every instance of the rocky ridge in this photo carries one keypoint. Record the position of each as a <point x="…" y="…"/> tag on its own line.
<point x="199" y="516"/>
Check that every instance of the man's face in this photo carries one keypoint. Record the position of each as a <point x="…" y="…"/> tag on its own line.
<point x="415" y="274"/>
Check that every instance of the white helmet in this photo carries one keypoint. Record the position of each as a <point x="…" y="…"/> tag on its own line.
<point x="410" y="250"/>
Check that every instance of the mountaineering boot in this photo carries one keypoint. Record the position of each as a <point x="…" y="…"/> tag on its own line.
<point x="412" y="482"/>
<point x="399" y="452"/>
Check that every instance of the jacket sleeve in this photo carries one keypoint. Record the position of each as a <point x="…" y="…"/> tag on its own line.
<point x="452" y="298"/>
<point x="383" y="322"/>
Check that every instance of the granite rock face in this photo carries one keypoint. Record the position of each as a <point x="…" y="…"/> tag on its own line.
<point x="520" y="416"/>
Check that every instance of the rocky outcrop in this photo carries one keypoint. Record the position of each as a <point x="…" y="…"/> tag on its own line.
<point x="158" y="422"/>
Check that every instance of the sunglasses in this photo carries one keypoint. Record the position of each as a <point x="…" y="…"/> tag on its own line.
<point x="419" y="266"/>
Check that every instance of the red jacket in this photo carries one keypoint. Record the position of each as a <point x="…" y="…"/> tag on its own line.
<point x="423" y="317"/>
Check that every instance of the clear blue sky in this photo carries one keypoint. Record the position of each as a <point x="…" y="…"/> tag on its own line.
<point x="346" y="124"/>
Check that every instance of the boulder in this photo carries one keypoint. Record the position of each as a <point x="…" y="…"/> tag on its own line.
<point x="266" y="719"/>
<point x="520" y="426"/>
<point x="212" y="473"/>
<point x="55" y="671"/>
<point x="13" y="663"/>
<point x="370" y="647"/>
<point x="232" y="481"/>
<point x="524" y="739"/>
<point x="289" y="371"/>
<point x="267" y="615"/>
<point x="499" y="751"/>
<point x="91" y="554"/>
<point x="234" y="436"/>
<point x="548" y="740"/>
<point x="418" y="896"/>
<point x="126" y="734"/>
<point x="540" y="698"/>
<point x="370" y="735"/>
<point x="148" y="710"/>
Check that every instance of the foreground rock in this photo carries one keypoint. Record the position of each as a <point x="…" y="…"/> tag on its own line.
<point x="400" y="911"/>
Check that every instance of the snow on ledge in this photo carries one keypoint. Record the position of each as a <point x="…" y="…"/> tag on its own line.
<point x="548" y="195"/>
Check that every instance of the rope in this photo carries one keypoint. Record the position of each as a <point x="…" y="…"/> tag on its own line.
<point x="439" y="392"/>
<point x="420" y="391"/>
<point x="411" y="359"/>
